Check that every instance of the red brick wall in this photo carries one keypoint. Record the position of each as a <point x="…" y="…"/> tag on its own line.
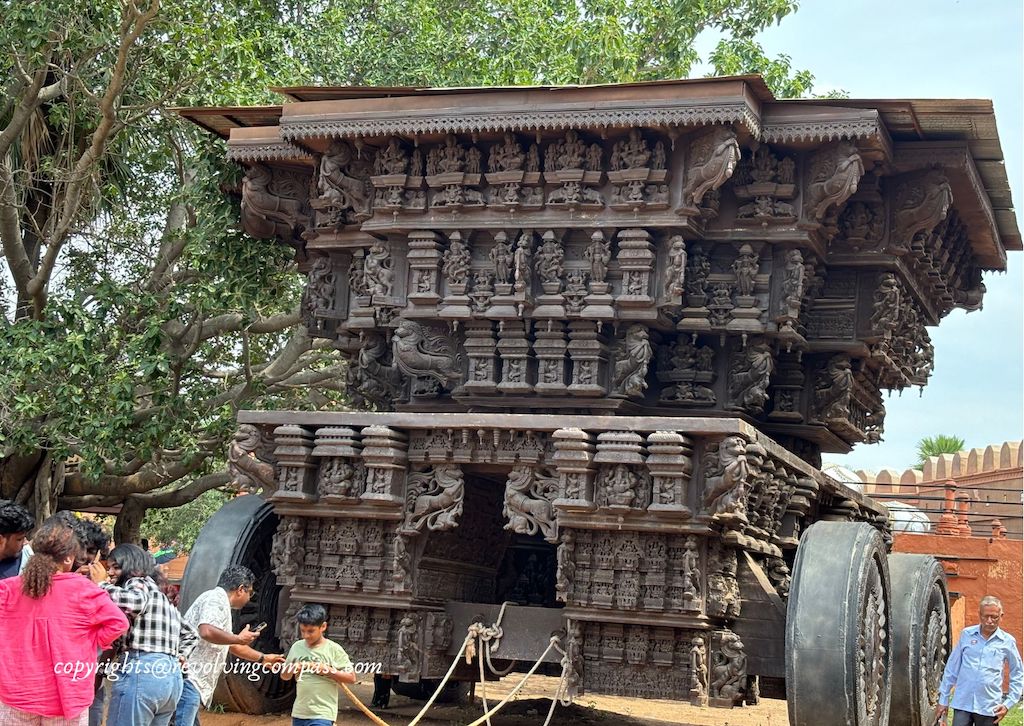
<point x="975" y="567"/>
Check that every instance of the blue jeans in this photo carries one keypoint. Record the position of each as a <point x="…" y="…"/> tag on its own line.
<point x="98" y="704"/>
<point x="187" y="712"/>
<point x="146" y="691"/>
<point x="311" y="722"/>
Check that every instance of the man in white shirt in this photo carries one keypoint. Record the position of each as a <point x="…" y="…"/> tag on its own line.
<point x="210" y="615"/>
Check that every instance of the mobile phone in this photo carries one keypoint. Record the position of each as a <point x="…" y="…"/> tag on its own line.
<point x="259" y="627"/>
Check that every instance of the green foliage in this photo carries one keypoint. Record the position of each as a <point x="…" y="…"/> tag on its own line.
<point x="936" y="446"/>
<point x="182" y="523"/>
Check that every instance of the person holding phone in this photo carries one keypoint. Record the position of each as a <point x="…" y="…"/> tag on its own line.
<point x="210" y="615"/>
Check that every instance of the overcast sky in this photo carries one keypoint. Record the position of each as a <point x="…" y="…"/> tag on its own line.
<point x="934" y="49"/>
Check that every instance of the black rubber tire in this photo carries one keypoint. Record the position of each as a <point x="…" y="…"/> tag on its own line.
<point x="454" y="691"/>
<point x="241" y="533"/>
<point x="838" y="644"/>
<point x="920" y="637"/>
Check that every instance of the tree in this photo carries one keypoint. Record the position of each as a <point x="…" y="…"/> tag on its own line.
<point x="138" y="318"/>
<point x="937" y="446"/>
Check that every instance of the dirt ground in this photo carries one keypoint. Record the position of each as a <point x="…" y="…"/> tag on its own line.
<point x="530" y="707"/>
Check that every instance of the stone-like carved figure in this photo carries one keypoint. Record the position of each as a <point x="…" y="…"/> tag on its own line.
<point x="832" y="389"/>
<point x="418" y="352"/>
<point x="793" y="281"/>
<point x="779" y="574"/>
<point x="371" y="379"/>
<point x="294" y="547"/>
<point x="920" y="203"/>
<point x="570" y="153"/>
<point x="272" y="206"/>
<point x="402" y="572"/>
<point x="378" y="276"/>
<point x="689" y="568"/>
<point x="675" y="267"/>
<point x="885" y="309"/>
<point x="835" y="172"/>
<point x="632" y="358"/>
<point x="621" y="485"/>
<point x="698" y="670"/>
<point x="725" y="488"/>
<point x="251" y="471"/>
<point x="729" y="675"/>
<point x="521" y="262"/>
<point x="434" y="499"/>
<point x="631" y="153"/>
<point x="446" y="159"/>
<point x="344" y="186"/>
<point x="746" y="267"/>
<point x="723" y="588"/>
<point x="599" y="252"/>
<point x="528" y="497"/>
<point x="549" y="259"/>
<point x="749" y="377"/>
<point x="697" y="274"/>
<point x="566" y="572"/>
<point x="391" y="159"/>
<point x="506" y="156"/>
<point x="712" y="159"/>
<point x="408" y="644"/>
<point x="456" y="263"/>
<point x="501" y="259"/>
<point x="319" y="293"/>
<point x="337" y="478"/>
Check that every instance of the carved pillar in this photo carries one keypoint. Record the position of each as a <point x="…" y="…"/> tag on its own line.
<point x="384" y="453"/>
<point x="668" y="460"/>
<point x="342" y="475"/>
<point x="804" y="492"/>
<point x="787" y="388"/>
<point x="636" y="261"/>
<point x="296" y="472"/>
<point x="424" y="260"/>
<point x="622" y="483"/>
<point x="481" y="349"/>
<point x="549" y="346"/>
<point x="574" y="461"/>
<point x="515" y="357"/>
<point x="588" y="351"/>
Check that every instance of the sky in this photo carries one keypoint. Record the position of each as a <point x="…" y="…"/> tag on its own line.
<point x="934" y="49"/>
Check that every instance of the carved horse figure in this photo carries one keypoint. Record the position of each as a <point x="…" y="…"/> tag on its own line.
<point x="526" y="504"/>
<point x="435" y="499"/>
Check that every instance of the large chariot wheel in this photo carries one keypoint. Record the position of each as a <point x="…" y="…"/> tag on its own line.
<point x="838" y="641"/>
<point x="920" y="638"/>
<point x="241" y="533"/>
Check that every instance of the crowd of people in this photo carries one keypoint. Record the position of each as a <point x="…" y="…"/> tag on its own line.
<point x="77" y="621"/>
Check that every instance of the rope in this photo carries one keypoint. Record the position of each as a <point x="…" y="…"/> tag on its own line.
<point x="362" y="707"/>
<point x="486" y="717"/>
<point x="444" y="681"/>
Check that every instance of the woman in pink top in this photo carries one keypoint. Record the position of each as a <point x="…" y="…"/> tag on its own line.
<point x="52" y="622"/>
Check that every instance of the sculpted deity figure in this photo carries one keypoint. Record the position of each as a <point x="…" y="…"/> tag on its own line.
<point x="675" y="268"/>
<point x="689" y="567"/>
<point x="725" y="489"/>
<point x="549" y="259"/>
<point x="378" y="277"/>
<point x="343" y="184"/>
<point x="631" y="153"/>
<point x="793" y="280"/>
<point x="532" y="163"/>
<point x="267" y="211"/>
<point x="745" y="267"/>
<point x="698" y="668"/>
<point x="251" y="473"/>
<point x="521" y="261"/>
<point x="507" y="156"/>
<point x="833" y="387"/>
<point x="730" y="671"/>
<point x="568" y="153"/>
<point x="886" y="306"/>
<point x="633" y="355"/>
<point x="456" y="262"/>
<point x="749" y="377"/>
<point x="408" y="647"/>
<point x="391" y="159"/>
<point x="501" y="258"/>
<point x="566" y="572"/>
<point x="697" y="275"/>
<point x="599" y="252"/>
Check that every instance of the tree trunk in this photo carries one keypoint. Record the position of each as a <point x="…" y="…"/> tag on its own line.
<point x="34" y="480"/>
<point x="127" y="527"/>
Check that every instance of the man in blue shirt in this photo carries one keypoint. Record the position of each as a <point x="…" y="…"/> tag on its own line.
<point x="975" y="668"/>
<point x="15" y="524"/>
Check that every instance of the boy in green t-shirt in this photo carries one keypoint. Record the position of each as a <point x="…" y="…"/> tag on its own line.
<point x="320" y="665"/>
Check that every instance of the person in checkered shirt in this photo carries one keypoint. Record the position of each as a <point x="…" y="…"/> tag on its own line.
<point x="148" y="677"/>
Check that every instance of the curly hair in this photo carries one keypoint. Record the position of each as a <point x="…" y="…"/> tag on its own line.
<point x="14" y="518"/>
<point x="54" y="542"/>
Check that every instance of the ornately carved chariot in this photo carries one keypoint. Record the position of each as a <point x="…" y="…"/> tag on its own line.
<point x="599" y="338"/>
